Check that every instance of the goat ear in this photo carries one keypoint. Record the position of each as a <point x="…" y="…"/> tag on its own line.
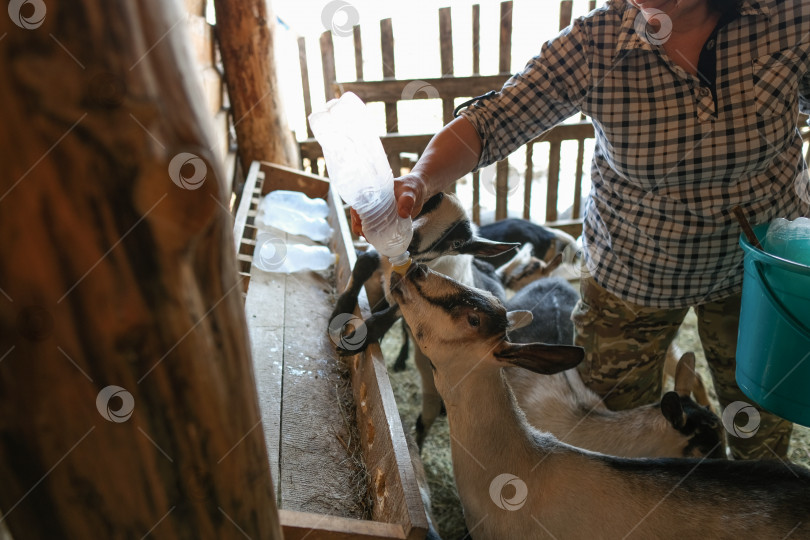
<point x="518" y="319"/>
<point x="672" y="410"/>
<point x="685" y="374"/>
<point x="539" y="357"/>
<point x="482" y="247"/>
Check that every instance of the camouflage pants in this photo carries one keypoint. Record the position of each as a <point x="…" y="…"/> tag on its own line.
<point x="625" y="346"/>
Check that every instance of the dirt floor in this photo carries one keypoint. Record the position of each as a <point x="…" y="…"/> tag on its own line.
<point x="436" y="453"/>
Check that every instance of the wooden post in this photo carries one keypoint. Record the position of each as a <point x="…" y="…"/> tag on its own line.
<point x="245" y="31"/>
<point x="128" y="406"/>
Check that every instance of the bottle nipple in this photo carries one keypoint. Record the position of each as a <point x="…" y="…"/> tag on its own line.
<point x="401" y="263"/>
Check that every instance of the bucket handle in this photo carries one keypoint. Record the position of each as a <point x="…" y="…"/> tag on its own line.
<point x="797" y="325"/>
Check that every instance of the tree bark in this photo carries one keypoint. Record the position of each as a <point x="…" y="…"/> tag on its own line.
<point x="127" y="401"/>
<point x="245" y="31"/>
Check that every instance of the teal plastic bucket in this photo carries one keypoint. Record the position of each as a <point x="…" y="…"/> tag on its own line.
<point x="773" y="344"/>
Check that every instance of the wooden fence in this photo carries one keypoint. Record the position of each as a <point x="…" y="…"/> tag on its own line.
<point x="449" y="88"/>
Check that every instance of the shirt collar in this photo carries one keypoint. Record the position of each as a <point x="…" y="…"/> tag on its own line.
<point x="632" y="19"/>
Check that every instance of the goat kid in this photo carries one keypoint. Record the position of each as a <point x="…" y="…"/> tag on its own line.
<point x="562" y="405"/>
<point x="443" y="238"/>
<point x="559" y="491"/>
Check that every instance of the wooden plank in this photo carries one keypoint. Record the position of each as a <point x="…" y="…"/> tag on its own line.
<point x="566" y="11"/>
<point x="446" y="53"/>
<point x="527" y="182"/>
<point x="501" y="189"/>
<point x="267" y="345"/>
<point x="552" y="189"/>
<point x="328" y="65"/>
<point x="417" y="143"/>
<point x="446" y="41"/>
<point x="476" y="200"/>
<point x="301" y="525"/>
<point x="505" y="43"/>
<point x="476" y="39"/>
<point x="389" y="72"/>
<point x="571" y="226"/>
<point x="450" y="87"/>
<point x="302" y="62"/>
<point x="358" y="53"/>
<point x="387" y="48"/>
<point x="280" y="177"/>
<point x="315" y="467"/>
<point x="576" y="210"/>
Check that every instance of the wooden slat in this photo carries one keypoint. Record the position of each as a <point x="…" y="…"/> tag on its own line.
<point x="450" y="87"/>
<point x="302" y="62"/>
<point x="389" y="72"/>
<point x="505" y="45"/>
<point x="476" y="39"/>
<point x="501" y="189"/>
<point x="387" y="48"/>
<point x="552" y="189"/>
<point x="527" y="182"/>
<point x="244" y="204"/>
<point x="576" y="211"/>
<point x="566" y="11"/>
<point x="571" y="226"/>
<point x="300" y="525"/>
<point x="417" y="143"/>
<point x="446" y="52"/>
<point x="476" y="200"/>
<point x="358" y="53"/>
<point x="328" y="65"/>
<point x="280" y="177"/>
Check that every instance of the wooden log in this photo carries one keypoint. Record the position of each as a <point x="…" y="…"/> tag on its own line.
<point x="505" y="41"/>
<point x="245" y="31"/>
<point x="302" y="62"/>
<point x="128" y="405"/>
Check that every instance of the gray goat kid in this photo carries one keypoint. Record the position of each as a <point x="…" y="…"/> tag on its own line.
<point x="557" y="490"/>
<point x="562" y="405"/>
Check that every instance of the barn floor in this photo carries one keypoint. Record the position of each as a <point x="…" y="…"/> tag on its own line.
<point x="436" y="453"/>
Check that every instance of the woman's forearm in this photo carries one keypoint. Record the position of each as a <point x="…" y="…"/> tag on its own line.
<point x="452" y="152"/>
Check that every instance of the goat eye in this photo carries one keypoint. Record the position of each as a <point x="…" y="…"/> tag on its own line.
<point x="473" y="319"/>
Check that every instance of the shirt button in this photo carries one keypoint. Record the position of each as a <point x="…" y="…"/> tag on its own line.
<point x="704" y="91"/>
<point x="710" y="45"/>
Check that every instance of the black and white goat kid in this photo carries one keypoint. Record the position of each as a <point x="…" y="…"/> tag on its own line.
<point x="444" y="239"/>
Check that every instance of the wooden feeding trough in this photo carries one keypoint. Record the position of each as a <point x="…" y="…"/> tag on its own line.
<point x="299" y="385"/>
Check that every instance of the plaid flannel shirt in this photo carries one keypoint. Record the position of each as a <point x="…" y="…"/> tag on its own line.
<point x="674" y="152"/>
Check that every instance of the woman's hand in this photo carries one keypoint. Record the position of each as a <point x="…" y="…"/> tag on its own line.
<point x="410" y="191"/>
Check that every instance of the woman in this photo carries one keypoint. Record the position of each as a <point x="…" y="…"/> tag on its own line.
<point x="694" y="105"/>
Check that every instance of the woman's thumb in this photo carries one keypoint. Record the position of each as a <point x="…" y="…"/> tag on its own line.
<point x="405" y="204"/>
